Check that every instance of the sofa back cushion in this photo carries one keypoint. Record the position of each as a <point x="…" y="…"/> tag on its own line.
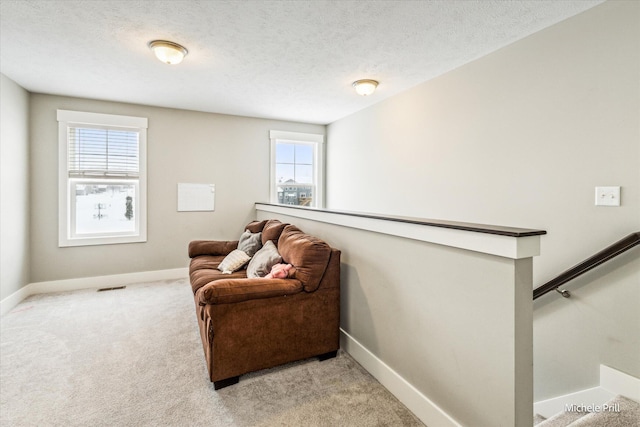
<point x="272" y="230"/>
<point x="256" y="226"/>
<point x="308" y="254"/>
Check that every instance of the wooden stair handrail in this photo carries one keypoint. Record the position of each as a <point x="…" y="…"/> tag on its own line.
<point x="601" y="257"/>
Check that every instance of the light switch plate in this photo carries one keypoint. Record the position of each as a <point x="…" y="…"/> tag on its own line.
<point x="607" y="196"/>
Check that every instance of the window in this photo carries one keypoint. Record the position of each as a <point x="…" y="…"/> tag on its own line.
<point x="102" y="179"/>
<point x="297" y="169"/>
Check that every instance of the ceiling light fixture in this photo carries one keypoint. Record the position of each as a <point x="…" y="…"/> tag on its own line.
<point x="168" y="52"/>
<point x="365" y="87"/>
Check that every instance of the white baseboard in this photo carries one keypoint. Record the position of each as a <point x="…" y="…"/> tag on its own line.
<point x="612" y="383"/>
<point x="619" y="383"/>
<point x="14" y="299"/>
<point x="593" y="396"/>
<point x="423" y="408"/>
<point x="88" y="283"/>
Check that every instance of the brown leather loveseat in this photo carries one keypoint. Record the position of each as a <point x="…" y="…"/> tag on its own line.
<point x="248" y="324"/>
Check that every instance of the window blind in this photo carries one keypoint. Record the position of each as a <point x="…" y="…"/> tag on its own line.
<point x="105" y="152"/>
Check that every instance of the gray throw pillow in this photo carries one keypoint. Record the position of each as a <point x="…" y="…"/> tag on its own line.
<point x="261" y="263"/>
<point x="250" y="242"/>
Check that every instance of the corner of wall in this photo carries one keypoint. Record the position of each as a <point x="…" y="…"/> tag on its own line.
<point x="14" y="192"/>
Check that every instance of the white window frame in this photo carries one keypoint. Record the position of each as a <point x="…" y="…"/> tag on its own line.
<point x="66" y="197"/>
<point x="317" y="141"/>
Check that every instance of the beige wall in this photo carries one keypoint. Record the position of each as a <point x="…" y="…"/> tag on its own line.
<point x="183" y="146"/>
<point x="600" y="324"/>
<point x="447" y="320"/>
<point x="521" y="137"/>
<point x="14" y="193"/>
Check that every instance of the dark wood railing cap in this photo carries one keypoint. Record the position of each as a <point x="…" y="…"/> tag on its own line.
<point x="465" y="226"/>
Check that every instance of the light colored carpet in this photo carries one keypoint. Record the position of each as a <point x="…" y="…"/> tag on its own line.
<point x="624" y="413"/>
<point x="537" y="419"/>
<point x="562" y="419"/>
<point x="618" y="412"/>
<point x="133" y="357"/>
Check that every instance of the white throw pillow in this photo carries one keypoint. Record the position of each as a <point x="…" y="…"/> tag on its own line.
<point x="234" y="261"/>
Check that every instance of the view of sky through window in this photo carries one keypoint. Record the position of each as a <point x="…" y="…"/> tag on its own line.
<point x="294" y="163"/>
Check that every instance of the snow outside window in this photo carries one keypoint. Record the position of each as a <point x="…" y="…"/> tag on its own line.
<point x="102" y="179"/>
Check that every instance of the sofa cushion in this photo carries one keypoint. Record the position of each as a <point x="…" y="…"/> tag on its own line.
<point x="234" y="261"/>
<point x="250" y="242"/>
<point x="272" y="230"/>
<point x="205" y="262"/>
<point x="261" y="263"/>
<point x="204" y="269"/>
<point x="202" y="278"/>
<point x="256" y="226"/>
<point x="308" y="254"/>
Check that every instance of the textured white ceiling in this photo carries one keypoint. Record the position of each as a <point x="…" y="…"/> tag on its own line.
<point x="291" y="60"/>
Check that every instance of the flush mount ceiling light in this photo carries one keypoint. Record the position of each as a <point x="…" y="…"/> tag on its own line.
<point x="365" y="87"/>
<point x="168" y="52"/>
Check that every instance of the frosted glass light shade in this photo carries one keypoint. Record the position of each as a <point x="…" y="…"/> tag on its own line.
<point x="365" y="87"/>
<point x="168" y="52"/>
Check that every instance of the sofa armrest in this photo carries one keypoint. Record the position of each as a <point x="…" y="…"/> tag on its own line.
<point x="211" y="247"/>
<point x="227" y="291"/>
